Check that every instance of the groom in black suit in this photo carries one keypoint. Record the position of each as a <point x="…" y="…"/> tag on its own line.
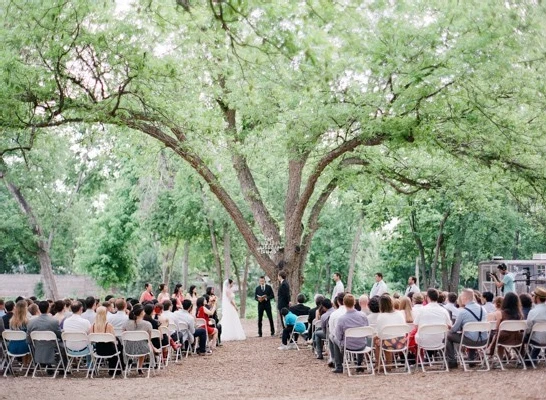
<point x="264" y="295"/>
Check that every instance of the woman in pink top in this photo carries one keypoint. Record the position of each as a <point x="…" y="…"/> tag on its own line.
<point x="178" y="295"/>
<point x="147" y="295"/>
<point x="164" y="293"/>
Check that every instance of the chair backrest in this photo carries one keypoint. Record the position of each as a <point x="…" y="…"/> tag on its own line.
<point x="183" y="326"/>
<point x="433" y="329"/>
<point x="43" y="336"/>
<point x="199" y="322"/>
<point x="512" y="326"/>
<point x="302" y="318"/>
<point x="102" y="338"/>
<point x="172" y="328"/>
<point x="9" y="335"/>
<point x="360" y="332"/>
<point x="539" y="327"/>
<point x="393" y="331"/>
<point x="135" y="336"/>
<point x="164" y="330"/>
<point x="118" y="332"/>
<point x="156" y="334"/>
<point x="477" y="327"/>
<point x="317" y="323"/>
<point x="77" y="339"/>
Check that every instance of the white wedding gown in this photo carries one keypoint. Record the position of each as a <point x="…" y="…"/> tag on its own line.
<point x="231" y="325"/>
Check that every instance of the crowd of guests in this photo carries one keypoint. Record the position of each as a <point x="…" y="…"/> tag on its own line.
<point x="201" y="332"/>
<point x="416" y="309"/>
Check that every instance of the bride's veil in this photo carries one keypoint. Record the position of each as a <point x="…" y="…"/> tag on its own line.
<point x="225" y="289"/>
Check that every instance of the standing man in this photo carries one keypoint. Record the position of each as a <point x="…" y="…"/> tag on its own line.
<point x="412" y="286"/>
<point x="263" y="295"/>
<point x="338" y="288"/>
<point x="506" y="285"/>
<point x="379" y="287"/>
<point x="283" y="294"/>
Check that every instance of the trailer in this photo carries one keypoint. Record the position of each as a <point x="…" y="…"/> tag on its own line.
<point x="528" y="274"/>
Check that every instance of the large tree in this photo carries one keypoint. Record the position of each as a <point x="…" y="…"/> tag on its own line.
<point x="302" y="90"/>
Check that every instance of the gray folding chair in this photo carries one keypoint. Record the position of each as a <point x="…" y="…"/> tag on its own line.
<point x="11" y="357"/>
<point x="477" y="327"/>
<point x="394" y="332"/>
<point x="137" y="336"/>
<point x="432" y="339"/>
<point x="97" y="360"/>
<point x="72" y="340"/>
<point x="303" y="319"/>
<point x="516" y="348"/>
<point x="539" y="327"/>
<point x="46" y="338"/>
<point x="350" y="357"/>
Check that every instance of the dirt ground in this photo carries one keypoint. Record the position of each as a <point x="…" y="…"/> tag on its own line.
<point x="255" y="369"/>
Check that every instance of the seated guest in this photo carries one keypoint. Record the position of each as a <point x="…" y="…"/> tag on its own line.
<point x="188" y="336"/>
<point x="314" y="314"/>
<point x="406" y="309"/>
<point x="452" y="305"/>
<point x="19" y="322"/>
<point x="290" y="325"/>
<point x="45" y="352"/>
<point x="90" y="307"/>
<point x="497" y="314"/>
<point x="325" y="311"/>
<point x="136" y="323"/>
<point x="470" y="312"/>
<point x="363" y="302"/>
<point x="205" y="313"/>
<point x="351" y="319"/>
<point x="300" y="308"/>
<point x="373" y="305"/>
<point x="9" y="306"/>
<point x="208" y="297"/>
<point x="489" y="306"/>
<point x="332" y="325"/>
<point x="59" y="309"/>
<point x="101" y="325"/>
<point x="388" y="316"/>
<point x="76" y="323"/>
<point x="119" y="318"/>
<point x="442" y="299"/>
<point x="167" y="310"/>
<point x="418" y="300"/>
<point x="537" y="314"/>
<point x="2" y="308"/>
<point x="526" y="304"/>
<point x="432" y="314"/>
<point x="510" y="311"/>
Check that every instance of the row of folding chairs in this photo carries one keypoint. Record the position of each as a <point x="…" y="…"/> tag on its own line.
<point x="80" y="347"/>
<point x="431" y="348"/>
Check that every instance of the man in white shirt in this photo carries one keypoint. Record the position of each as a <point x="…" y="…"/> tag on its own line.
<point x="76" y="323"/>
<point x="431" y="314"/>
<point x="118" y="319"/>
<point x="338" y="288"/>
<point x="90" y="307"/>
<point x="167" y="313"/>
<point x="450" y="306"/>
<point x="379" y="287"/>
<point x="189" y="335"/>
<point x="412" y="286"/>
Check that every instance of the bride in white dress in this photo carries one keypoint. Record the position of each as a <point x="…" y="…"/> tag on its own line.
<point x="231" y="325"/>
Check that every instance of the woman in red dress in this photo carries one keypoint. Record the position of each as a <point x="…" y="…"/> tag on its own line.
<point x="205" y="313"/>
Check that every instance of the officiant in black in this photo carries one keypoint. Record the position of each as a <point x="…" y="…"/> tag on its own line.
<point x="264" y="295"/>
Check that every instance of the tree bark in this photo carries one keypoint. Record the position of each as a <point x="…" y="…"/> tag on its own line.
<point x="227" y="252"/>
<point x="185" y="264"/>
<point x="43" y="243"/>
<point x="439" y="242"/>
<point x="420" y="246"/>
<point x="354" y="253"/>
<point x="458" y="256"/>
<point x="213" y="241"/>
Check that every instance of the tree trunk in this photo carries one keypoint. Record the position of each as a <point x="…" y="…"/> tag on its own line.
<point x="457" y="257"/>
<point x="227" y="252"/>
<point x="439" y="242"/>
<point x="43" y="244"/>
<point x="185" y="264"/>
<point x="420" y="247"/>
<point x="515" y="249"/>
<point x="213" y="241"/>
<point x="354" y="253"/>
<point x="445" y="267"/>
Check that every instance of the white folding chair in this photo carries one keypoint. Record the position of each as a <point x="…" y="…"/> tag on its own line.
<point x="97" y="360"/>
<point x="38" y="338"/>
<point x="72" y="340"/>
<point x="539" y="327"/>
<point x="202" y="323"/>
<point x="183" y="328"/>
<point x="432" y="339"/>
<point x="11" y="357"/>
<point x="517" y="348"/>
<point x="136" y="336"/>
<point x="156" y="334"/>
<point x="350" y="357"/>
<point x="480" y="328"/>
<point x="394" y="332"/>
<point x="303" y="319"/>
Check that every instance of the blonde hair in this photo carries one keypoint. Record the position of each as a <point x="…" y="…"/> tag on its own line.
<point x="20" y="317"/>
<point x="100" y="320"/>
<point x="406" y="307"/>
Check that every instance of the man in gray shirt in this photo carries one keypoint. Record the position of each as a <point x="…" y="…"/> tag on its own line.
<point x="537" y="314"/>
<point x="471" y="312"/>
<point x="320" y="333"/>
<point x="351" y="319"/>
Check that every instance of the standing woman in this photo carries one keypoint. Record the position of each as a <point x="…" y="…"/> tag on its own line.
<point x="178" y="295"/>
<point x="163" y="293"/>
<point x="136" y="323"/>
<point x="192" y="296"/>
<point x="19" y="322"/>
